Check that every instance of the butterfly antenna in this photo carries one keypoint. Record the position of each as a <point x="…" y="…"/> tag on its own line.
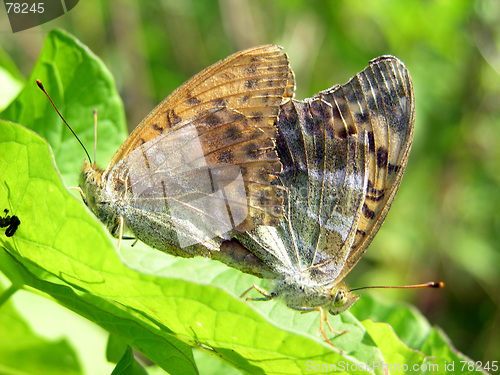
<point x="39" y="83"/>
<point x="95" y="132"/>
<point x="416" y="286"/>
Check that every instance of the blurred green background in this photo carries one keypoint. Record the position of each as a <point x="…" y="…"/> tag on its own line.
<point x="445" y="222"/>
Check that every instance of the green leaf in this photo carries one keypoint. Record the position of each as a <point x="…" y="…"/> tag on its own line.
<point x="59" y="245"/>
<point x="23" y="351"/>
<point x="128" y="365"/>
<point x="115" y="349"/>
<point x="78" y="83"/>
<point x="11" y="80"/>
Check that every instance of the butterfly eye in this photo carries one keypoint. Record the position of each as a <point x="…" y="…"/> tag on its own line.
<point x="340" y="298"/>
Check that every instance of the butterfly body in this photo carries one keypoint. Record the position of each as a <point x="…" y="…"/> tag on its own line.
<point x="299" y="293"/>
<point x="203" y="164"/>
<point x="343" y="153"/>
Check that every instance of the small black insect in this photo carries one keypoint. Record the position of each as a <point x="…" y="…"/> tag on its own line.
<point x="11" y="222"/>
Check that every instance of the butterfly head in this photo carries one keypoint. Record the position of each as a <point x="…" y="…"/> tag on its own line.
<point x="342" y="299"/>
<point x="93" y="190"/>
<point x="90" y="183"/>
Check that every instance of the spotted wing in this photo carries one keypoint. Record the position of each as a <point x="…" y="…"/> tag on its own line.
<point x="351" y="143"/>
<point x="251" y="85"/>
<point x="175" y="193"/>
<point x="380" y="101"/>
<point x="325" y="179"/>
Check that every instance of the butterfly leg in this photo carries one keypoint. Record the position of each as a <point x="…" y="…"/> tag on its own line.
<point x="324" y="317"/>
<point x="267" y="296"/>
<point x="80" y="191"/>
<point x="120" y="232"/>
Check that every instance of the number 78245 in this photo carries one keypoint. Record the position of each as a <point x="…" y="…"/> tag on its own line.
<point x="25" y="8"/>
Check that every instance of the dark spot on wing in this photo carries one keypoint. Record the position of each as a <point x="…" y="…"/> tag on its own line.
<point x="343" y="133"/>
<point x="212" y="119"/>
<point x="158" y="128"/>
<point x="374" y="194"/>
<point x="256" y="116"/>
<point x="193" y="101"/>
<point x="245" y="98"/>
<point x="375" y="198"/>
<point x="360" y="232"/>
<point x="369" y="214"/>
<point x="251" y="83"/>
<point x="362" y="117"/>
<point x="371" y="142"/>
<point x="236" y="116"/>
<point x="225" y="157"/>
<point x="172" y="118"/>
<point x="382" y="157"/>
<point x="219" y="102"/>
<point x="233" y="132"/>
<point x="251" y="69"/>
<point x="264" y="199"/>
<point x="393" y="168"/>
<point x="252" y="150"/>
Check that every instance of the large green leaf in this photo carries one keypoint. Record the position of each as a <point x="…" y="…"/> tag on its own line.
<point x="78" y="83"/>
<point x="158" y="304"/>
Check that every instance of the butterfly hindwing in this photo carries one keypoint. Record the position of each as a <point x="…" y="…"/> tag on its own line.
<point x="343" y="152"/>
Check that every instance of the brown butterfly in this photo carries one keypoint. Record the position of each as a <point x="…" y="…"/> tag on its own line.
<point x="344" y="152"/>
<point x="202" y="165"/>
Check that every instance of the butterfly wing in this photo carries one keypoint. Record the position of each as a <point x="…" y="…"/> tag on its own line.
<point x="174" y="192"/>
<point x="339" y="192"/>
<point x="380" y="101"/>
<point x="251" y="84"/>
<point x="325" y="179"/>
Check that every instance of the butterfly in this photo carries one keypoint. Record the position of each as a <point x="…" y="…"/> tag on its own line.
<point x="344" y="152"/>
<point x="203" y="164"/>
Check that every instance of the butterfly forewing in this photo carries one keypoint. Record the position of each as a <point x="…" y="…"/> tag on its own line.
<point x="343" y="152"/>
<point x="172" y="179"/>
<point x="325" y="180"/>
<point x="251" y="81"/>
<point x="378" y="100"/>
<point x="253" y="84"/>
<point x="203" y="163"/>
